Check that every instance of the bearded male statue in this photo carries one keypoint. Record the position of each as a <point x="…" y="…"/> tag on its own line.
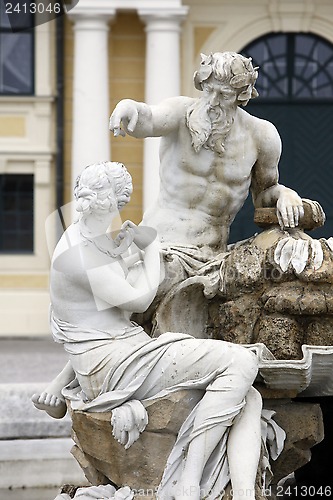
<point x="212" y="153"/>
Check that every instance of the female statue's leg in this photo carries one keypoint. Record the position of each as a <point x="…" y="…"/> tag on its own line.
<point x="244" y="444"/>
<point x="226" y="392"/>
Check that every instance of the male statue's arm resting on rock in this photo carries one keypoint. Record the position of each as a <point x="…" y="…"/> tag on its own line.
<point x="265" y="189"/>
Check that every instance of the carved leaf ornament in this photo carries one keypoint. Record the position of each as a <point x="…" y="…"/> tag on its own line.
<point x="244" y="75"/>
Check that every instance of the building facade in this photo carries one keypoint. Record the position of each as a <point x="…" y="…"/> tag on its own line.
<point x="54" y="110"/>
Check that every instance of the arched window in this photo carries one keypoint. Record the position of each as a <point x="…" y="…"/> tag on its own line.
<point x="295" y="86"/>
<point x="293" y="66"/>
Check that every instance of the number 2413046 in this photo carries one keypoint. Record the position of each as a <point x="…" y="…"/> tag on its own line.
<point x="33" y="8"/>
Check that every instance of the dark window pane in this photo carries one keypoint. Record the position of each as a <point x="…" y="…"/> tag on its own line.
<point x="16" y="63"/>
<point x="25" y="241"/>
<point x="16" y="15"/>
<point x="16" y="213"/>
<point x="269" y="54"/>
<point x="4" y="20"/>
<point x="304" y="44"/>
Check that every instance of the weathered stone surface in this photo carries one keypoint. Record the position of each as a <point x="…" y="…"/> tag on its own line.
<point x="320" y="331"/>
<point x="91" y="473"/>
<point x="243" y="270"/>
<point x="304" y="428"/>
<point x="256" y="300"/>
<point x="282" y="299"/>
<point x="234" y="321"/>
<point x="261" y="303"/>
<point x="283" y="336"/>
<point x="297" y="299"/>
<point x="103" y="460"/>
<point x="142" y="465"/>
<point x="265" y="217"/>
<point x="325" y="273"/>
<point x="183" y="310"/>
<point x="313" y="302"/>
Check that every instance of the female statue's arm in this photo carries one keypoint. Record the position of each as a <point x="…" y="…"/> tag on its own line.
<point x="109" y="286"/>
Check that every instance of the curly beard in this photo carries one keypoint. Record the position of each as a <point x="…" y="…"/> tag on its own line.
<point x="209" y="124"/>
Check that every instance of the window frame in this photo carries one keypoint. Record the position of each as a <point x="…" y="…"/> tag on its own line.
<point x="290" y="59"/>
<point x="17" y="213"/>
<point x="29" y="31"/>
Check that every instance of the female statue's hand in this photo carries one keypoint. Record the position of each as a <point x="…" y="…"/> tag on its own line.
<point x="143" y="236"/>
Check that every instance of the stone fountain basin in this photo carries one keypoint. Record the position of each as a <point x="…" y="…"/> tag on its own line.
<point x="310" y="376"/>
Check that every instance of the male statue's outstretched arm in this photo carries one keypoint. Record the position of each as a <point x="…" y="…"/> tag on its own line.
<point x="140" y="120"/>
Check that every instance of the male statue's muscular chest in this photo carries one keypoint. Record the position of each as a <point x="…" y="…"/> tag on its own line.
<point x="206" y="176"/>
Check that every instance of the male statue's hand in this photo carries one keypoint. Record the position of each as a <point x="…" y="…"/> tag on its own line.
<point x="318" y="214"/>
<point x="289" y="208"/>
<point x="125" y="113"/>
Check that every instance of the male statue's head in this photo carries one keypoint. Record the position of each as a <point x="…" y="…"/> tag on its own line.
<point x="229" y="74"/>
<point x="103" y="186"/>
<point x="227" y="80"/>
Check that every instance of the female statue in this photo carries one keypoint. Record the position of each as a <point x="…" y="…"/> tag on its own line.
<point x="97" y="282"/>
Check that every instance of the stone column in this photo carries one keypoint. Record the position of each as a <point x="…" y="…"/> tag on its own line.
<point x="91" y="137"/>
<point x="162" y="80"/>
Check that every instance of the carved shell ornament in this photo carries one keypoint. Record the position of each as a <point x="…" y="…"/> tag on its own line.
<point x="244" y="75"/>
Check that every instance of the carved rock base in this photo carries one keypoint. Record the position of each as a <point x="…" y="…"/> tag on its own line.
<point x="141" y="467"/>
<point x="303" y="424"/>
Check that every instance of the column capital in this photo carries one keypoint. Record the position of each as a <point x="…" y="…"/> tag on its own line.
<point x="92" y="9"/>
<point x="159" y="19"/>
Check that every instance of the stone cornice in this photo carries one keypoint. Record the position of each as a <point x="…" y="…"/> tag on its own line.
<point x="110" y="7"/>
<point x="167" y="13"/>
<point x="92" y="8"/>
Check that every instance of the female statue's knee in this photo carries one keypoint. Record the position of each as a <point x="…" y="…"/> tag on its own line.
<point x="246" y="362"/>
<point x="254" y="398"/>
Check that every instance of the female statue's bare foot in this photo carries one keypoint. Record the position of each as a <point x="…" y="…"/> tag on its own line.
<point x="51" y="400"/>
<point x="54" y="406"/>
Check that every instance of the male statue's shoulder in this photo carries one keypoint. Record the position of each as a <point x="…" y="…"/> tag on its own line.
<point x="256" y="124"/>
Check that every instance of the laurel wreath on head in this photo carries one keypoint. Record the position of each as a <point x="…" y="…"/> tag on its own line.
<point x="244" y="75"/>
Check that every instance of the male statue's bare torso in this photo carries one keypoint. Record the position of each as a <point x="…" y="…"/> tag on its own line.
<point x="201" y="193"/>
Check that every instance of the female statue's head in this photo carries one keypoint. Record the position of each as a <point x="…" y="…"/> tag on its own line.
<point x="103" y="186"/>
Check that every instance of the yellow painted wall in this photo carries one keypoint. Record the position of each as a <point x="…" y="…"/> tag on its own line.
<point x="12" y="126"/>
<point x="127" y="71"/>
<point x="127" y="75"/>
<point x="24" y="280"/>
